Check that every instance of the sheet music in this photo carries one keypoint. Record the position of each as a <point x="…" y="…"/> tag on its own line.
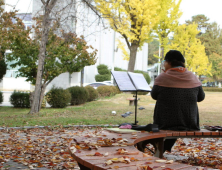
<point x="139" y="81"/>
<point x="123" y="81"/>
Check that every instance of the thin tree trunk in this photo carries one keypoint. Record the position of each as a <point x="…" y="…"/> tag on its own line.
<point x="132" y="60"/>
<point x="162" y="54"/>
<point x="42" y="95"/>
<point x="48" y="5"/>
<point x="82" y="78"/>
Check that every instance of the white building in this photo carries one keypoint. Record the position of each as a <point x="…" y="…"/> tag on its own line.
<point x="102" y="40"/>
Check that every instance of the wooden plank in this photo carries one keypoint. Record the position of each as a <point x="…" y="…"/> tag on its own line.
<point x="206" y="132"/>
<point x="190" y="133"/>
<point x="177" y="166"/>
<point x="176" y="133"/>
<point x="167" y="132"/>
<point x="214" y="133"/>
<point x="198" y="133"/>
<point x="183" y="133"/>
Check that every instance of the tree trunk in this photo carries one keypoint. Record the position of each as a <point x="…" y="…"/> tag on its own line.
<point x="132" y="60"/>
<point x="45" y="30"/>
<point x="162" y="54"/>
<point x="42" y="95"/>
<point x="82" y="78"/>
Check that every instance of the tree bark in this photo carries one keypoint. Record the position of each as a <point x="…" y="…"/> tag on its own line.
<point x="162" y="54"/>
<point x="132" y="60"/>
<point x="42" y="95"/>
<point x="45" y="30"/>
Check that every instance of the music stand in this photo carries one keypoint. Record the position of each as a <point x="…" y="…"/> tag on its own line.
<point x="131" y="82"/>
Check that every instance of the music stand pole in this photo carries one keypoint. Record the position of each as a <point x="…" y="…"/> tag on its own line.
<point x="135" y="108"/>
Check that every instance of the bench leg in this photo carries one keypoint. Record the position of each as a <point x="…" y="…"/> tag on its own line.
<point x="82" y="167"/>
<point x="158" y="144"/>
<point x="131" y="102"/>
<point x="159" y="148"/>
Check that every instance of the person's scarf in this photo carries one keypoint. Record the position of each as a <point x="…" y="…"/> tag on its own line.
<point x="178" y="77"/>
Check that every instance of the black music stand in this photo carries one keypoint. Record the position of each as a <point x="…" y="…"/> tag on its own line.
<point x="131" y="82"/>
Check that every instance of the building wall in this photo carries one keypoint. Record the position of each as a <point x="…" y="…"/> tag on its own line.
<point x="15" y="84"/>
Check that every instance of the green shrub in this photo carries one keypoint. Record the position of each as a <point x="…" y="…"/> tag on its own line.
<point x="104" y="73"/>
<point x="20" y="99"/>
<point x="1" y="97"/>
<point x="105" y="90"/>
<point x="212" y="89"/>
<point x="102" y="67"/>
<point x="79" y="95"/>
<point x="140" y="93"/>
<point x="58" y="97"/>
<point x="146" y="75"/>
<point x="93" y="94"/>
<point x="100" y="78"/>
<point x="115" y="90"/>
<point x="119" y="69"/>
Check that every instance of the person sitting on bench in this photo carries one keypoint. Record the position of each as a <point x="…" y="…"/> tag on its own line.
<point x="176" y="92"/>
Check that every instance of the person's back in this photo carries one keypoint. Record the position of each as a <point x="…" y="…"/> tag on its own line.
<point x="176" y="108"/>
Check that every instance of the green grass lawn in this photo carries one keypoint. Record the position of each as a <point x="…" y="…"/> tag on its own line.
<point x="99" y="112"/>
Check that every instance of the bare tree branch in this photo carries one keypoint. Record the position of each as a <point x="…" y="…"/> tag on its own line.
<point x="92" y="8"/>
<point x="43" y="2"/>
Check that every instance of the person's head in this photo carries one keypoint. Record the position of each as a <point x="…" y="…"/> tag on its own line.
<point x="174" y="58"/>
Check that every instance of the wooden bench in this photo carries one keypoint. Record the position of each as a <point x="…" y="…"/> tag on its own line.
<point x="90" y="158"/>
<point x="132" y="101"/>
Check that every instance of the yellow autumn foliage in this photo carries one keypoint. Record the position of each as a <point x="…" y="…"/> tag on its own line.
<point x="186" y="42"/>
<point x="169" y="15"/>
<point x="133" y="19"/>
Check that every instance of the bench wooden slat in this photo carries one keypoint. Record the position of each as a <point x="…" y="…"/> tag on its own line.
<point x="198" y="133"/>
<point x="176" y="133"/>
<point x="191" y="133"/>
<point x="183" y="133"/>
<point x="215" y="133"/>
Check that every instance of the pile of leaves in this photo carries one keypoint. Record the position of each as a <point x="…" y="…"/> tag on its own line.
<point x="204" y="152"/>
<point x="37" y="148"/>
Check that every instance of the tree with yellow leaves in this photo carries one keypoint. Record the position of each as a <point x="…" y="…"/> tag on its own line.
<point x="169" y="15"/>
<point x="185" y="41"/>
<point x="133" y="19"/>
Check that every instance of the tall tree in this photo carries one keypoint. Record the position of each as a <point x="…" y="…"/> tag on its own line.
<point x="185" y="41"/>
<point x="213" y="44"/>
<point x="133" y="19"/>
<point x="47" y="9"/>
<point x="169" y="15"/>
<point x="216" y="61"/>
<point x="202" y="23"/>
<point x="210" y="36"/>
<point x="64" y="53"/>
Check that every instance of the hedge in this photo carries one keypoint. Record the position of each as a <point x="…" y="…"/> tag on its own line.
<point x="58" y="97"/>
<point x="212" y="89"/>
<point x="20" y="99"/>
<point x="93" y="94"/>
<point x="105" y="91"/>
<point x="79" y="95"/>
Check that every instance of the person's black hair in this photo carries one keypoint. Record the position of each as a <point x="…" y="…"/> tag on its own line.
<point x="175" y="58"/>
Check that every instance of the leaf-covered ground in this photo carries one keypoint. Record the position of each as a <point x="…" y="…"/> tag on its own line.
<point x="36" y="148"/>
<point x="47" y="149"/>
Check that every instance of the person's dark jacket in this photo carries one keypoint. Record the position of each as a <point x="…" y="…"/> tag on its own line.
<point x="176" y="108"/>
